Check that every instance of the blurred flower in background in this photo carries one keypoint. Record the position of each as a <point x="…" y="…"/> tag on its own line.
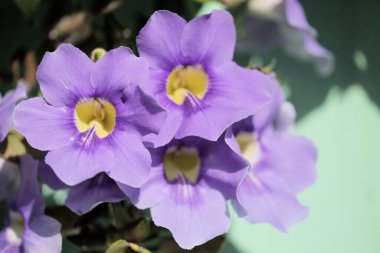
<point x="27" y="228"/>
<point x="7" y="105"/>
<point x="269" y="24"/>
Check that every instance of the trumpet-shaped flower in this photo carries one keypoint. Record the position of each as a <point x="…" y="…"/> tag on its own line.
<point x="283" y="23"/>
<point x="92" y="116"/>
<point x="188" y="187"/>
<point x="7" y="105"/>
<point x="193" y="76"/>
<point x="281" y="165"/>
<point x="28" y="229"/>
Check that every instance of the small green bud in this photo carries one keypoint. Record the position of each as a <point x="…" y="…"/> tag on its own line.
<point x="97" y="53"/>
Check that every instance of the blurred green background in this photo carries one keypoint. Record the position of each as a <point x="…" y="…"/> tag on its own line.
<point x="340" y="113"/>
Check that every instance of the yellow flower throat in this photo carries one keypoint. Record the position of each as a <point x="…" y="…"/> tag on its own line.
<point x="182" y="162"/>
<point x="249" y="147"/>
<point x="95" y="113"/>
<point x="184" y="80"/>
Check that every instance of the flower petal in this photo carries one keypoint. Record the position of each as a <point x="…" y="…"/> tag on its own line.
<point x="286" y="117"/>
<point x="295" y="15"/>
<point x="301" y="39"/>
<point x="265" y="199"/>
<point x="9" y="242"/>
<point x="209" y="39"/>
<point x="266" y="116"/>
<point x="45" y="127"/>
<point x="47" y="175"/>
<point x="117" y="70"/>
<point x="281" y="154"/>
<point x="236" y="92"/>
<point x="76" y="163"/>
<point x="9" y="175"/>
<point x="131" y="160"/>
<point x="168" y="129"/>
<point x="42" y="235"/>
<point x="149" y="194"/>
<point x="231" y="141"/>
<point x="304" y="46"/>
<point x="7" y="105"/>
<point x="159" y="40"/>
<point x="85" y="196"/>
<point x="193" y="214"/>
<point x="64" y="75"/>
<point x="28" y="199"/>
<point x="139" y="109"/>
<point x="224" y="168"/>
<point x="155" y="189"/>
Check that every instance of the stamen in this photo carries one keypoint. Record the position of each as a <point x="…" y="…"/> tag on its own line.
<point x="184" y="80"/>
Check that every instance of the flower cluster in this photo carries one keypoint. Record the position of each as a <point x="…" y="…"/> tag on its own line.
<point x="181" y="130"/>
<point x="280" y="165"/>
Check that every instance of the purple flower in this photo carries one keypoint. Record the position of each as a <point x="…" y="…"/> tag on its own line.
<point x="193" y="75"/>
<point x="188" y="187"/>
<point x="8" y="178"/>
<point x="282" y="165"/>
<point x="85" y="196"/>
<point x="37" y="232"/>
<point x="283" y="23"/>
<point x="92" y="116"/>
<point x="7" y="105"/>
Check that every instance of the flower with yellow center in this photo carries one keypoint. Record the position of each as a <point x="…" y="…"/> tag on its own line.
<point x="190" y="183"/>
<point x="184" y="81"/>
<point x="95" y="113"/>
<point x="194" y="78"/>
<point x="93" y="116"/>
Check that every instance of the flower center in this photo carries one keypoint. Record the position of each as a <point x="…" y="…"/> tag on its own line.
<point x="182" y="162"/>
<point x="249" y="147"/>
<point x="184" y="81"/>
<point x="97" y="114"/>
